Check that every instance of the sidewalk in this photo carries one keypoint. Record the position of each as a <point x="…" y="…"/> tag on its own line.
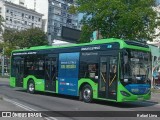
<point x="155" y="96"/>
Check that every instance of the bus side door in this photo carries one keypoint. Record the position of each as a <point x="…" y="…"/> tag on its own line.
<point x="50" y="73"/>
<point x="19" y="71"/>
<point x="108" y="77"/>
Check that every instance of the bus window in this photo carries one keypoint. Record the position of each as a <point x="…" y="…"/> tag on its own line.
<point x="89" y="66"/>
<point x="92" y="70"/>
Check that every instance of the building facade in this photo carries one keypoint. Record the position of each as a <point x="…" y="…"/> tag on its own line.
<point x="59" y="17"/>
<point x="19" y="17"/>
<point x="40" y="6"/>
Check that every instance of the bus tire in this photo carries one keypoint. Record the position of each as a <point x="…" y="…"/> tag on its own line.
<point x="31" y="87"/>
<point x="87" y="93"/>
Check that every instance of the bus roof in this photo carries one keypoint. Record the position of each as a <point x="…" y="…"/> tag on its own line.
<point x="123" y="44"/>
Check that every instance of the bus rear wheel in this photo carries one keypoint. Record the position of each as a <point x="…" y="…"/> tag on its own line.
<point x="87" y="93"/>
<point x="31" y="87"/>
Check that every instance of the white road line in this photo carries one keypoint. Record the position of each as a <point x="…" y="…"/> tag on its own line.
<point x="28" y="108"/>
<point x="49" y="118"/>
<point x="20" y="105"/>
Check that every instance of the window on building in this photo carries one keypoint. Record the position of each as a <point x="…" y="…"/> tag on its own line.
<point x="22" y="14"/>
<point x="55" y="24"/>
<point x="69" y="15"/>
<point x="26" y="16"/>
<point x="32" y="24"/>
<point x="7" y="10"/>
<point x="32" y="17"/>
<point x="64" y="7"/>
<point x="25" y="22"/>
<point x="11" y="20"/>
<point x="29" y="17"/>
<point x="18" y="21"/>
<point x="63" y="14"/>
<point x="15" y="21"/>
<point x="22" y="21"/>
<point x="11" y="13"/>
<point x="39" y="19"/>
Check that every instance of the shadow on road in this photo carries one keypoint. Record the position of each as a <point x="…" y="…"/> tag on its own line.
<point x="136" y="104"/>
<point x="100" y="102"/>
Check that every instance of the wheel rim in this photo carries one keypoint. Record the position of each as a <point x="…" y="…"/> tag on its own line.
<point x="31" y="87"/>
<point x="87" y="94"/>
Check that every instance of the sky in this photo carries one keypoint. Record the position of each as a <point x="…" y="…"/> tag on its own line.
<point x="158" y="1"/>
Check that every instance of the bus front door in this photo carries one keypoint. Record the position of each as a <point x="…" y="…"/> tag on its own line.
<point x="108" y="78"/>
<point x="50" y="73"/>
<point x="19" y="71"/>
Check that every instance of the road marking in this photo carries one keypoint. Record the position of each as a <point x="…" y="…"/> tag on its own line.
<point x="20" y="105"/>
<point x="28" y="108"/>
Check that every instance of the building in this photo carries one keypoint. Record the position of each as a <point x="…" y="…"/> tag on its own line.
<point x="40" y="6"/>
<point x="19" y="17"/>
<point x="62" y="25"/>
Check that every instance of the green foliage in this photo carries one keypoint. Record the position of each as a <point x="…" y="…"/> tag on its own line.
<point x="32" y="37"/>
<point x="85" y="34"/>
<point x="125" y="19"/>
<point x="8" y="48"/>
<point x="23" y="39"/>
<point x="10" y="36"/>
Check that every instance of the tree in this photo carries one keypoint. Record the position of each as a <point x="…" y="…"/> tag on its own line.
<point x="125" y="19"/>
<point x="32" y="37"/>
<point x="25" y="38"/>
<point x="14" y="39"/>
<point x="85" y="34"/>
<point x="10" y="36"/>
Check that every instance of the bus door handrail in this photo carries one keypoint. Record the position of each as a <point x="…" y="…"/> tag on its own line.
<point x="103" y="77"/>
<point x="112" y="80"/>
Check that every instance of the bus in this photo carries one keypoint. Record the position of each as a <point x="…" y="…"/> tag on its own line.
<point x="107" y="69"/>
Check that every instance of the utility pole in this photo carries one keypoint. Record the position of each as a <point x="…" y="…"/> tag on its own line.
<point x="2" y="62"/>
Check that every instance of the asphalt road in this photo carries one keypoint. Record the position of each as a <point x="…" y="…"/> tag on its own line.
<point x="24" y="101"/>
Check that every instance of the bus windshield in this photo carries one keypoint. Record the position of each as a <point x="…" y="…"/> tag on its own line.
<point x="136" y="67"/>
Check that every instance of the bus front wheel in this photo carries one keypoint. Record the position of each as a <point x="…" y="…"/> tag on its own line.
<point x="31" y="87"/>
<point x="87" y="93"/>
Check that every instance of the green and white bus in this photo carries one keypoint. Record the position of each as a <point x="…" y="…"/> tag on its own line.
<point x="108" y="69"/>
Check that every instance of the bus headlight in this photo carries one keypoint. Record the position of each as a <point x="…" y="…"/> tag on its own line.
<point x="125" y="93"/>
